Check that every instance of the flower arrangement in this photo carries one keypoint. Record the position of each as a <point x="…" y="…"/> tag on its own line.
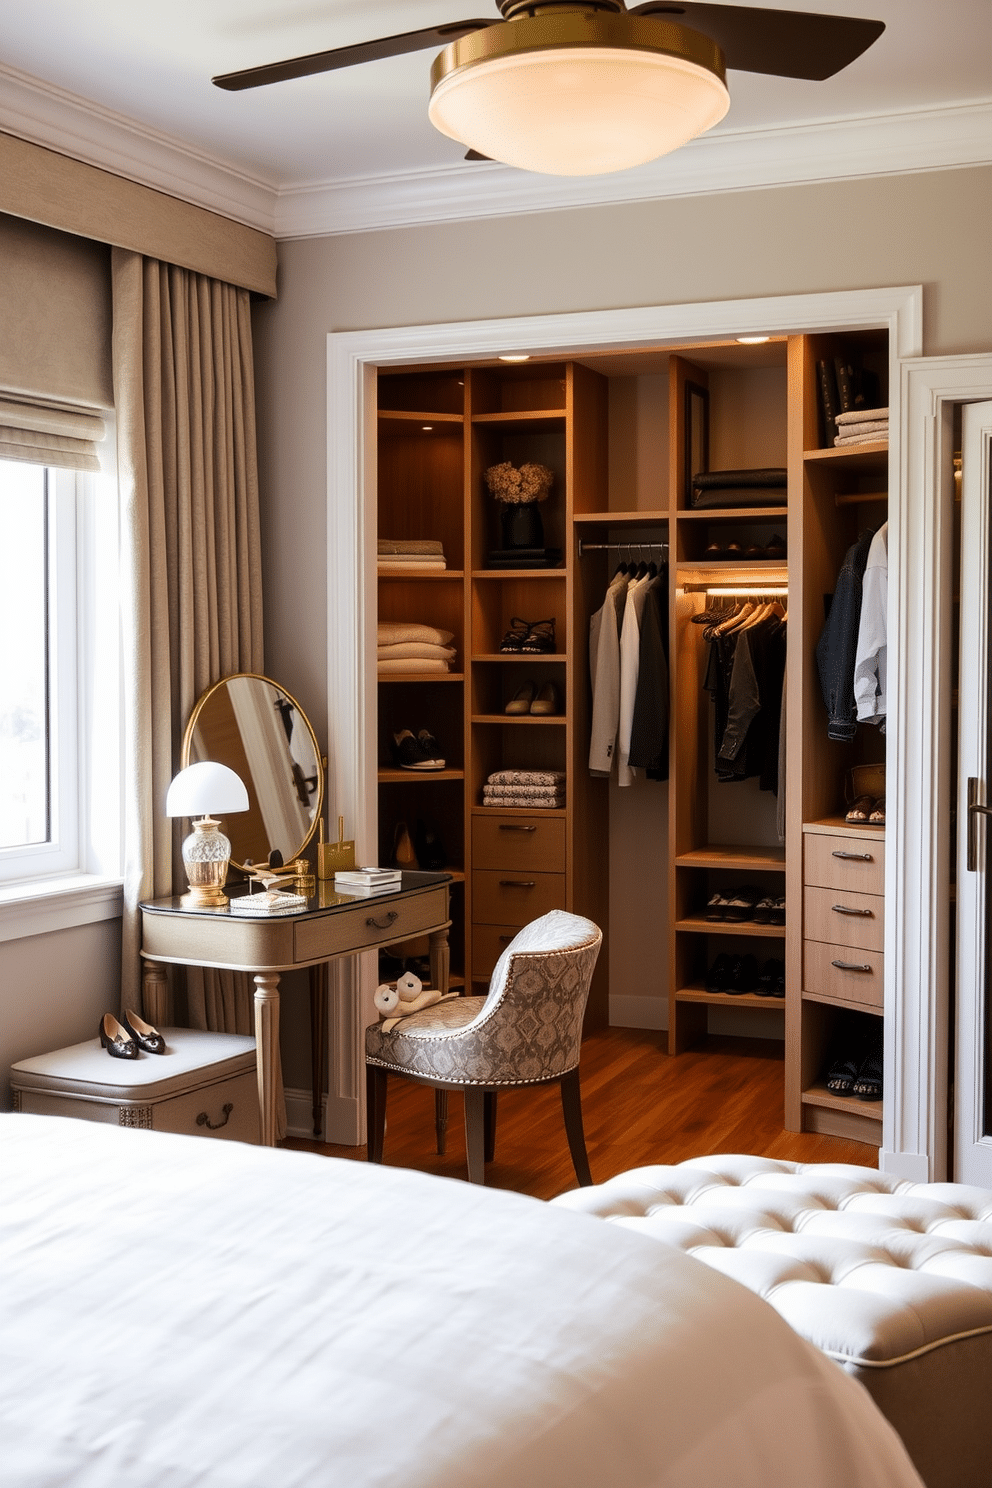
<point x="519" y="487"/>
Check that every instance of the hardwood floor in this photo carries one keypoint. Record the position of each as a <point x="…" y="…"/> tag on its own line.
<point x="638" y="1106"/>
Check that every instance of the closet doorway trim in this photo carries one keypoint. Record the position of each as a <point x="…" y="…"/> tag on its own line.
<point x="353" y="358"/>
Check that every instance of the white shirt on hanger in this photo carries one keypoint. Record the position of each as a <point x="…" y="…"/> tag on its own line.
<point x="872" y="652"/>
<point x="630" y="654"/>
<point x="604" y="668"/>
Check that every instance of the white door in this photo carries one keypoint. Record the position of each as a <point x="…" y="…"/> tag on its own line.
<point x="973" y="1060"/>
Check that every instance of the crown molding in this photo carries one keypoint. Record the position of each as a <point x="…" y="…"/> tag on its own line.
<point x="45" y="115"/>
<point x="943" y="138"/>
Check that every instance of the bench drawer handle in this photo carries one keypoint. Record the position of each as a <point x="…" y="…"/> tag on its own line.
<point x="516" y="827"/>
<point x="867" y="914"/>
<point x="518" y="883"/>
<point x="373" y="924"/>
<point x="204" y="1120"/>
<point x="850" y="966"/>
<point x="854" y="857"/>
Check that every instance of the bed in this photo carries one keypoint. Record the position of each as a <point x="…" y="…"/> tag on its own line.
<point x="181" y="1312"/>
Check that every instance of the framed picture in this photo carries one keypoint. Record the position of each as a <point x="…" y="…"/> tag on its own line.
<point x="697" y="434"/>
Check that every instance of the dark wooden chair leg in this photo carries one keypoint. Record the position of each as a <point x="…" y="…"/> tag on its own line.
<point x="441" y="1119"/>
<point x="489" y="1106"/>
<point x="376" y="1080"/>
<point x="571" y="1105"/>
<point x="475" y="1135"/>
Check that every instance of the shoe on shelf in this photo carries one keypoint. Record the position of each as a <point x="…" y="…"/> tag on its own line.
<point x="776" y="915"/>
<point x="145" y="1036"/>
<point x="715" y="553"/>
<point x="116" y="1040"/>
<point x="771" y="980"/>
<point x="540" y="638"/>
<point x="548" y="700"/>
<point x="431" y="748"/>
<point x="514" y="638"/>
<point x="763" y="910"/>
<point x="718" y="976"/>
<point x="860" y="811"/>
<point x="429" y="848"/>
<point x="743" y="975"/>
<point x="410" y="754"/>
<point x="522" y="698"/>
<point x="776" y="549"/>
<point x="876" y="816"/>
<point x="404" y="855"/>
<point x="741" y="904"/>
<point x="842" y="1074"/>
<point x="716" y="906"/>
<point x="868" y="1082"/>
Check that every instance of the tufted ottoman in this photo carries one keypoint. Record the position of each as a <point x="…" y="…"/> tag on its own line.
<point x="892" y="1279"/>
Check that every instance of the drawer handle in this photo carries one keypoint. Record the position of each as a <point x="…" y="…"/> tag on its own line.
<point x="204" y="1120"/>
<point x="854" y="857"/>
<point x="867" y="914"/>
<point x="516" y="827"/>
<point x="850" y="966"/>
<point x="518" y="883"/>
<point x="373" y="924"/>
<point x="505" y="939"/>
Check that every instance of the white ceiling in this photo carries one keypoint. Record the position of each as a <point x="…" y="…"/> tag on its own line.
<point x="152" y="64"/>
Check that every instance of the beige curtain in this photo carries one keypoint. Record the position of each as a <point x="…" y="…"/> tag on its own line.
<point x="184" y="395"/>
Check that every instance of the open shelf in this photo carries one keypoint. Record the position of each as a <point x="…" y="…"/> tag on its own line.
<point x="728" y="999"/>
<point x="873" y="456"/>
<point x="387" y="677"/>
<point x="751" y="859"/>
<point x="390" y="776"/>
<point x="410" y="573"/>
<point x="526" y="719"/>
<point x="700" y="925"/>
<point x="735" y="514"/>
<point x="819" y="1095"/>
<point x="530" y="657"/>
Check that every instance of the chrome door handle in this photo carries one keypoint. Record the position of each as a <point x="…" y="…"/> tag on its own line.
<point x="975" y="810"/>
<point x="868" y="914"/>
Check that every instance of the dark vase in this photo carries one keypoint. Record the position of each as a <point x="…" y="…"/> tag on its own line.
<point x="522" y="525"/>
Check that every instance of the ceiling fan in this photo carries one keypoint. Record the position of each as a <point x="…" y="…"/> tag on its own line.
<point x="581" y="87"/>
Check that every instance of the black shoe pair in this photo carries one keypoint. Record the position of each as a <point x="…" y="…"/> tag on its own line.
<point x="857" y="1075"/>
<point x="734" y="975"/>
<point x="417" y="752"/>
<point x="774" y="551"/>
<point x="127" y="1040"/>
<point x="529" y="637"/>
<point x="771" y="982"/>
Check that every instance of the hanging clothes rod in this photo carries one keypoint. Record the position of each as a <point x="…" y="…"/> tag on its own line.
<point x="616" y="547"/>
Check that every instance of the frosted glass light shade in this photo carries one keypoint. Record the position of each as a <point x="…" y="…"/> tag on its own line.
<point x="204" y="788"/>
<point x="570" y="106"/>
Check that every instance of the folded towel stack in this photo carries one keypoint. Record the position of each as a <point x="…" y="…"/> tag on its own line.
<point x="417" y="555"/>
<point x="543" y="788"/>
<point x="411" y="647"/>
<point x="862" y="427"/>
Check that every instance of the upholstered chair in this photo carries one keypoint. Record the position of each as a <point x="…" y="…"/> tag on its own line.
<point x="525" y="1031"/>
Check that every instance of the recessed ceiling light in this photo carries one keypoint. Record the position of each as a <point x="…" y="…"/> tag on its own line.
<point x="523" y="357"/>
<point x="752" y="340"/>
<point x="427" y="428"/>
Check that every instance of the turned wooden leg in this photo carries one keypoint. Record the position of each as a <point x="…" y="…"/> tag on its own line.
<point x="155" y="993"/>
<point x="572" y="1108"/>
<point x="267" y="1050"/>
<point x="475" y="1135"/>
<point x="318" y="1041"/>
<point x="440" y="955"/>
<point x="441" y="1120"/>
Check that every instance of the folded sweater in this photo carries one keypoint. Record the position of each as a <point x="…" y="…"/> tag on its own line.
<point x="392" y="632"/>
<point x="425" y="649"/>
<point x="413" y="664"/>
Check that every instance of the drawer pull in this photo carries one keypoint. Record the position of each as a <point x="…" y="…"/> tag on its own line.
<point x="373" y="924"/>
<point x="505" y="939"/>
<point x="204" y="1120"/>
<point x="518" y="883"/>
<point x="867" y="914"/>
<point x="850" y="966"/>
<point x="516" y="827"/>
<point x="854" y="857"/>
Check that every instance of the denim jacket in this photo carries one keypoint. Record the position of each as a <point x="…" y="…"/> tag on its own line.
<point x="837" y="647"/>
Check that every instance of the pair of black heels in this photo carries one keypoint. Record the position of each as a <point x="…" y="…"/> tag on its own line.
<point x="857" y="1073"/>
<point x="127" y="1039"/>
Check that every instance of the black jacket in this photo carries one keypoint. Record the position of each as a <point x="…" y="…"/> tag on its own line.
<point x="836" y="650"/>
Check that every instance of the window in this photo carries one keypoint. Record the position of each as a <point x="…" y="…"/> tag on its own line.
<point x="59" y="674"/>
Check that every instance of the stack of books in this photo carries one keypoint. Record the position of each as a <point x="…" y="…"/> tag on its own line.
<point x="368" y="880"/>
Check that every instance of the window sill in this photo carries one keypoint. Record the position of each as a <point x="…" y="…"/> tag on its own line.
<point x="39" y="906"/>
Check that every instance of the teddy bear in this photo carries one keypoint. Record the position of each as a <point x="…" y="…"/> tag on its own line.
<point x="407" y="995"/>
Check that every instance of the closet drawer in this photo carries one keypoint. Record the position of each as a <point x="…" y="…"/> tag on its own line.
<point x="510" y="897"/>
<point x="839" y="917"/>
<point x="858" y="980"/>
<point x="488" y="944"/>
<point x="855" y="863"/>
<point x="519" y="842"/>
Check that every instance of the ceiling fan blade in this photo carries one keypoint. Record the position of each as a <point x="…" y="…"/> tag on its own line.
<point x="349" y="56"/>
<point x="786" y="43"/>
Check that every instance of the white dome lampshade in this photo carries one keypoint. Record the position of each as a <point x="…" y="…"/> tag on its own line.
<point x="578" y="94"/>
<point x="197" y="792"/>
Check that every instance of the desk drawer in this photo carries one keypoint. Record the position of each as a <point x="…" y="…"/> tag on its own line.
<point x="384" y="921"/>
<point x="488" y="944"/>
<point x="526" y="842"/>
<point x="512" y="897"/>
<point x="858" y="980"/>
<point x="842" y="918"/>
<point x="855" y="863"/>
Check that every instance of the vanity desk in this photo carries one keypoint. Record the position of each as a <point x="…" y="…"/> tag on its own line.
<point x="332" y="925"/>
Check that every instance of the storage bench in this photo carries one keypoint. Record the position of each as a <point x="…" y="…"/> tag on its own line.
<point x="204" y="1085"/>
<point x="892" y="1279"/>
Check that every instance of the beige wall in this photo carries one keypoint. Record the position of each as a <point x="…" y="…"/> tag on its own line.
<point x="930" y="229"/>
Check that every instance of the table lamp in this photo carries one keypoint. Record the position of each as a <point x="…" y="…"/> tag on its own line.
<point x="196" y="792"/>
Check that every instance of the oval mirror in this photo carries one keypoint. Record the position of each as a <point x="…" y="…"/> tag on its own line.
<point x="260" y="731"/>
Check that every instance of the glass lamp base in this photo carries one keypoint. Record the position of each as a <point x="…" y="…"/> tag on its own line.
<point x="206" y="857"/>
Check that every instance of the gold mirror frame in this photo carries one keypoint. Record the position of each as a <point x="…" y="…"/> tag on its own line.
<point x="236" y="757"/>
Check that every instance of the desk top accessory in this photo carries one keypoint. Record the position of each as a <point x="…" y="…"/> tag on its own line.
<point x="334" y="856"/>
<point x="271" y="900"/>
<point x="368" y="880"/>
<point x="197" y="791"/>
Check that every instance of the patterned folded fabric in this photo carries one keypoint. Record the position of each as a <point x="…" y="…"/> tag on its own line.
<point x="410" y="545"/>
<point x="425" y="649"/>
<point x="392" y="632"/>
<point x="413" y="664"/>
<point x="543" y="803"/>
<point x="527" y="777"/>
<point x="523" y="790"/>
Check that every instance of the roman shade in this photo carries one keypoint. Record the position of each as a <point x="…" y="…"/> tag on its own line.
<point x="50" y="434"/>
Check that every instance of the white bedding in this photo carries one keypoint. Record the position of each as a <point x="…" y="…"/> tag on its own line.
<point x="181" y="1312"/>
